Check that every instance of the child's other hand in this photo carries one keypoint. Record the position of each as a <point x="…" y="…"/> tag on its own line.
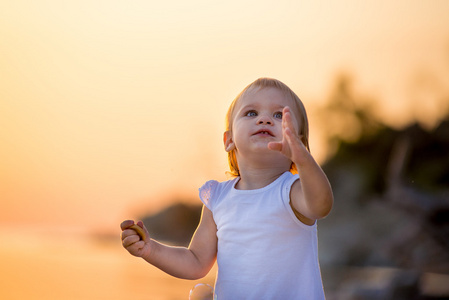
<point x="132" y="241"/>
<point x="291" y="145"/>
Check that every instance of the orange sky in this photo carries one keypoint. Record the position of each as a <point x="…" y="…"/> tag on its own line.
<point x="107" y="106"/>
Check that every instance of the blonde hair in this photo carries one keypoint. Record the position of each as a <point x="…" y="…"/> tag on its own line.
<point x="299" y="110"/>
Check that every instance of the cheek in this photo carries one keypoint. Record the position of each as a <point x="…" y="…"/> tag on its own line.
<point x="238" y="128"/>
<point x="240" y="136"/>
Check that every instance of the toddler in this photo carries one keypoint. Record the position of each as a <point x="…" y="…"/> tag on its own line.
<point x="260" y="226"/>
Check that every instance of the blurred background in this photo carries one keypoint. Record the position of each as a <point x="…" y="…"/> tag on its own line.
<point x="113" y="110"/>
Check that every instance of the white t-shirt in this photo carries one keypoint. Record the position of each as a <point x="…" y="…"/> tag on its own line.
<point x="264" y="251"/>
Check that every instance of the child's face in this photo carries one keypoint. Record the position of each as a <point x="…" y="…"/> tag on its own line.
<point x="257" y="120"/>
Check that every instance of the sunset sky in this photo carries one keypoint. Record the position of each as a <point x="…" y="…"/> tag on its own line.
<point x="108" y="108"/>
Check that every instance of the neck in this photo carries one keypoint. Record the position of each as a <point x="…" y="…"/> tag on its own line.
<point x="256" y="178"/>
<point x="260" y="169"/>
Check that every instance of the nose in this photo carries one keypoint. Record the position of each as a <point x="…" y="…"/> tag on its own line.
<point x="264" y="120"/>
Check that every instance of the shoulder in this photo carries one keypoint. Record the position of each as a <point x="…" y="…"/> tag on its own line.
<point x="288" y="179"/>
<point x="207" y="190"/>
<point x="212" y="189"/>
<point x="291" y="184"/>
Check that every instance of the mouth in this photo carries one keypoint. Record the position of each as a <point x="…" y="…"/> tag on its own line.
<point x="264" y="132"/>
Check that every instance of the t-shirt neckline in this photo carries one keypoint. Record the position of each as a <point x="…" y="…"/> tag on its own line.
<point x="270" y="185"/>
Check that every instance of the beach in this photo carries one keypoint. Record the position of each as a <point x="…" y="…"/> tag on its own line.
<point x="80" y="266"/>
<point x="43" y="263"/>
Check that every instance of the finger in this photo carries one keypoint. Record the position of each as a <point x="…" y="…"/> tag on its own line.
<point x="285" y="113"/>
<point x="131" y="231"/>
<point x="130" y="240"/>
<point x="136" y="248"/>
<point x="292" y="139"/>
<point x="276" y="146"/>
<point x="126" y="224"/>
<point x="288" y="135"/>
<point x="126" y="233"/>
<point x="288" y="119"/>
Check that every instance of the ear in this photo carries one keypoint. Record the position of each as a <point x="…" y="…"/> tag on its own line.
<point x="228" y="141"/>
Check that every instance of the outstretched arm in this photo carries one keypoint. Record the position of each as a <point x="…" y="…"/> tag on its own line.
<point x="193" y="262"/>
<point x="311" y="196"/>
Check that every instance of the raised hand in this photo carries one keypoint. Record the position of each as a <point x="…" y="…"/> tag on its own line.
<point x="312" y="196"/>
<point x="291" y="145"/>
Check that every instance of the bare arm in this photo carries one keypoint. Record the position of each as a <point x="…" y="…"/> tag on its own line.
<point x="311" y="196"/>
<point x="193" y="262"/>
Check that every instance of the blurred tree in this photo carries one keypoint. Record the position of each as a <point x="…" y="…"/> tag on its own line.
<point x="384" y="175"/>
<point x="346" y="116"/>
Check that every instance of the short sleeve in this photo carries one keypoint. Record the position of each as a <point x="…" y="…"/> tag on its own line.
<point x="207" y="191"/>
<point x="287" y="186"/>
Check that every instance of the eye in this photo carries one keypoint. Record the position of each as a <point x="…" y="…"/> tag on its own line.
<point x="251" y="113"/>
<point x="278" y="115"/>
